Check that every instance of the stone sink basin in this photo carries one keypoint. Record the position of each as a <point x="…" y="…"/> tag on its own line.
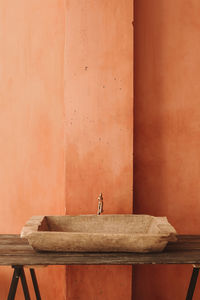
<point x="99" y="233"/>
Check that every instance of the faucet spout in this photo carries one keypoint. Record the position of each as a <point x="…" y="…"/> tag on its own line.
<point x="100" y="204"/>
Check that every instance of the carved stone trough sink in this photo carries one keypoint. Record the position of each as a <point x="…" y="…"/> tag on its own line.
<point x="99" y="233"/>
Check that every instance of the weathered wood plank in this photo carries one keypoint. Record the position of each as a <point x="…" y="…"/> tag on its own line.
<point x="108" y="259"/>
<point x="16" y="251"/>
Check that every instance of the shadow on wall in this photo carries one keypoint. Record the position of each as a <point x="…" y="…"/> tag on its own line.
<point x="167" y="113"/>
<point x="166" y="147"/>
<point x="150" y="157"/>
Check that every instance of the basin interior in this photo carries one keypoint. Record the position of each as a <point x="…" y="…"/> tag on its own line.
<point x="108" y="224"/>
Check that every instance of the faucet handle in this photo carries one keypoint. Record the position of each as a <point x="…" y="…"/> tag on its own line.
<point x="100" y="198"/>
<point x="100" y="204"/>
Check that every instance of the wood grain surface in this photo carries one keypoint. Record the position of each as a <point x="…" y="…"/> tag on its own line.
<point x="17" y="251"/>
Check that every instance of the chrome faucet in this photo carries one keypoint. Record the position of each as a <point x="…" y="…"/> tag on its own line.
<point x="100" y="204"/>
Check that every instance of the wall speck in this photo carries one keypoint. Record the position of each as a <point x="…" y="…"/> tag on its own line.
<point x="86" y="67"/>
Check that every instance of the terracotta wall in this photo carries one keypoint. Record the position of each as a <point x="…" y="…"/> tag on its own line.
<point x="167" y="122"/>
<point x="99" y="128"/>
<point x="31" y="123"/>
<point x="66" y="125"/>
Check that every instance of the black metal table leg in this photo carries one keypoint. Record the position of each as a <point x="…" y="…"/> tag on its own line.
<point x="14" y="283"/>
<point x="19" y="273"/>
<point x="35" y="284"/>
<point x="24" y="285"/>
<point x="192" y="284"/>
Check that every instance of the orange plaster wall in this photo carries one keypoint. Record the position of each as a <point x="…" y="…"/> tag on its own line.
<point x="99" y="128"/>
<point x="167" y="122"/>
<point x="38" y="175"/>
<point x="31" y="123"/>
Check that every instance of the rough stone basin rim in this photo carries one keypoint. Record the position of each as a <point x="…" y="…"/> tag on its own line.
<point x="104" y="233"/>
